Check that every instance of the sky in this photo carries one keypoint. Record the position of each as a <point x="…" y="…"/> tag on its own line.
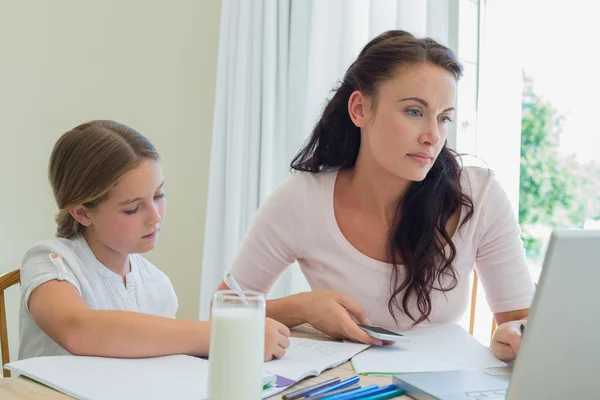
<point x="562" y="57"/>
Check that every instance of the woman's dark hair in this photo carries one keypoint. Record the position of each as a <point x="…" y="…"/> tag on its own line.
<point x="418" y="235"/>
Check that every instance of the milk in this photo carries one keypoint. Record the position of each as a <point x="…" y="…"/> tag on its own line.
<point x="237" y="342"/>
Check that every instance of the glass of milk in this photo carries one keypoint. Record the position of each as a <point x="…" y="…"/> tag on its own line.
<point x="237" y="342"/>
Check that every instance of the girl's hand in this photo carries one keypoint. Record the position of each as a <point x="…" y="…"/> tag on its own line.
<point x="277" y="339"/>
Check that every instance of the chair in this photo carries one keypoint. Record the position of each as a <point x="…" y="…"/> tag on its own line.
<point x="473" y="308"/>
<point x="7" y="280"/>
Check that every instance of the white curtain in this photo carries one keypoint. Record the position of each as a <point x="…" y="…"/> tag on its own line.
<point x="278" y="61"/>
<point x="249" y="150"/>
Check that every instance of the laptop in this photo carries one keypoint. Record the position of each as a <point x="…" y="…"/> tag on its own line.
<point x="559" y="356"/>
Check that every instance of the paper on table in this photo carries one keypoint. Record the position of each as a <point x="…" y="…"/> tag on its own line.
<point x="169" y="377"/>
<point x="177" y="376"/>
<point x="306" y="357"/>
<point x="440" y="348"/>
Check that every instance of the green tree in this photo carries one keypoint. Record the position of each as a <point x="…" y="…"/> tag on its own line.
<point x="549" y="185"/>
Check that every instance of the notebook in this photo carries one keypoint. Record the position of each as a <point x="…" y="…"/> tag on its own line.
<point x="177" y="376"/>
<point x="440" y="348"/>
<point x="168" y="377"/>
<point x="307" y="357"/>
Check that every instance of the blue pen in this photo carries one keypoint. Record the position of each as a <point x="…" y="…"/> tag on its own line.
<point x="337" y="386"/>
<point x="386" y="395"/>
<point x="347" y="389"/>
<point x="344" y="396"/>
<point x="367" y="393"/>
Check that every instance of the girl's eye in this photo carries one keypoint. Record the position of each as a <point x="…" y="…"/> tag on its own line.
<point x="414" y="113"/>
<point x="131" y="212"/>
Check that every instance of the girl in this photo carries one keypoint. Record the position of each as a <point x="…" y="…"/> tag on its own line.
<point x="385" y="224"/>
<point x="89" y="291"/>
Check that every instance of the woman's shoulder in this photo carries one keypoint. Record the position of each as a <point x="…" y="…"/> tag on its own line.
<point x="488" y="195"/>
<point x="297" y="189"/>
<point x="476" y="181"/>
<point x="300" y="181"/>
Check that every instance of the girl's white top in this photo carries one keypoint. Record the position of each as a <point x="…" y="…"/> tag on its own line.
<point x="146" y="289"/>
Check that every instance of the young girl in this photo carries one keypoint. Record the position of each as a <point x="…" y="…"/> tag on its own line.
<point x="89" y="291"/>
<point x="385" y="224"/>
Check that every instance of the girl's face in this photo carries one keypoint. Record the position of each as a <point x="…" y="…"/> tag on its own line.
<point x="129" y="220"/>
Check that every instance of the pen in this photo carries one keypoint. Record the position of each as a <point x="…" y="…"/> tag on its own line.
<point x="387" y="395"/>
<point x="351" y="395"/>
<point x="369" y="393"/>
<point x="340" y="391"/>
<point x="232" y="283"/>
<point x="304" y="391"/>
<point x="331" y="388"/>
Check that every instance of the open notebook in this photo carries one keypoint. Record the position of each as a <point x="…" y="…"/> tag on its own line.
<point x="439" y="348"/>
<point x="176" y="377"/>
<point x="306" y="357"/>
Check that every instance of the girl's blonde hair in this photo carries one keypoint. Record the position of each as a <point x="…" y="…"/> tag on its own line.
<point x="87" y="162"/>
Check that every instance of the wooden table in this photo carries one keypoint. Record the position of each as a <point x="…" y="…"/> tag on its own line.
<point x="26" y="389"/>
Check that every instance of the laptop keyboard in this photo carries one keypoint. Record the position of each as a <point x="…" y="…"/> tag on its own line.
<point x="488" y="395"/>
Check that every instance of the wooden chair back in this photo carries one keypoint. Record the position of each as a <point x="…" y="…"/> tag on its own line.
<point x="474" y="308"/>
<point x="7" y="280"/>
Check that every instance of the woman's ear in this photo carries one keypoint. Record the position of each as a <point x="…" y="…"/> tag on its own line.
<point x="81" y="215"/>
<point x="359" y="107"/>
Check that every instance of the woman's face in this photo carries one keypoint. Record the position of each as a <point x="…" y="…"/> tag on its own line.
<point x="405" y="130"/>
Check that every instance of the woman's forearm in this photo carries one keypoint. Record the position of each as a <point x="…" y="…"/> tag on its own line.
<point x="289" y="310"/>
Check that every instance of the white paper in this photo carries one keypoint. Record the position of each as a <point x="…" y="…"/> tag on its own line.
<point x="169" y="377"/>
<point x="306" y="357"/>
<point x="440" y="348"/>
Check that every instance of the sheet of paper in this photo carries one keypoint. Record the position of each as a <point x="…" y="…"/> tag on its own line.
<point x="440" y="348"/>
<point x="170" y="377"/>
<point x="306" y="357"/>
<point x="176" y="377"/>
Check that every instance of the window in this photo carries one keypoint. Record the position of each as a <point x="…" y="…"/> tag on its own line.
<point x="535" y="124"/>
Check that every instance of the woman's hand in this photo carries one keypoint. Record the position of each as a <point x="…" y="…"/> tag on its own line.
<point x="507" y="339"/>
<point x="330" y="312"/>
<point x="277" y="339"/>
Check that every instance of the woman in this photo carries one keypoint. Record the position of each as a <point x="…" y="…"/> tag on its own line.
<point x="382" y="219"/>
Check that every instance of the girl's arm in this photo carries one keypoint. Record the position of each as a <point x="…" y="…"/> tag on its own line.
<point x="59" y="311"/>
